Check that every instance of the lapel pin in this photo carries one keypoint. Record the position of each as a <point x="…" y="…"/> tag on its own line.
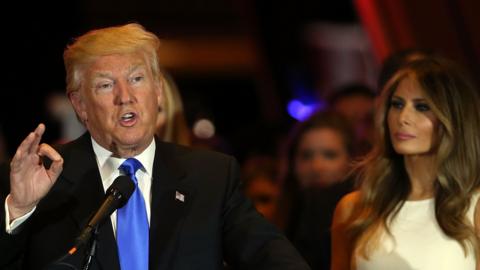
<point x="179" y="196"/>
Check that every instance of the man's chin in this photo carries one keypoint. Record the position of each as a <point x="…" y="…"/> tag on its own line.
<point x="131" y="144"/>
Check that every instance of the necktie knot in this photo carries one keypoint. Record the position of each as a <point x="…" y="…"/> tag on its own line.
<point x="130" y="166"/>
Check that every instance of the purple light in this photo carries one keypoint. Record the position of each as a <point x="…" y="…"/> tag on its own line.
<point x="301" y="111"/>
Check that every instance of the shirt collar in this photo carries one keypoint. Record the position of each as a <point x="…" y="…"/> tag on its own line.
<point x="108" y="165"/>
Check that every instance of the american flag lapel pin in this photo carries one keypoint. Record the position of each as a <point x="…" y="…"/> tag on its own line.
<point x="179" y="196"/>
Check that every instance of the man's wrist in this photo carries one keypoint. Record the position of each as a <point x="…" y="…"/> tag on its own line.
<point x="13" y="225"/>
<point x="16" y="212"/>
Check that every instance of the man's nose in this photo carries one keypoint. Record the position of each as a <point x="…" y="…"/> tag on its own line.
<point x="123" y="93"/>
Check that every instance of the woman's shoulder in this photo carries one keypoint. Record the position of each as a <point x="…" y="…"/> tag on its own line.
<point x="345" y="207"/>
<point x="341" y="242"/>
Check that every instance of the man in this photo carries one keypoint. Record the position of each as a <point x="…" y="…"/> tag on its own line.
<point x="197" y="217"/>
<point x="356" y="103"/>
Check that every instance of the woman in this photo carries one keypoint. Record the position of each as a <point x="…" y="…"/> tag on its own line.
<point x="320" y="150"/>
<point x="319" y="156"/>
<point x="171" y="123"/>
<point x="416" y="205"/>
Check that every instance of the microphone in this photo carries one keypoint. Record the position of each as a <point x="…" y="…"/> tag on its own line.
<point x="116" y="197"/>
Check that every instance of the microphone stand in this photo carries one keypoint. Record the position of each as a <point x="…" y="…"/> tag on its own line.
<point x="92" y="250"/>
<point x="118" y="194"/>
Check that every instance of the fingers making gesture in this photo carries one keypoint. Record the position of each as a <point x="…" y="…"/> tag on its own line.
<point x="30" y="181"/>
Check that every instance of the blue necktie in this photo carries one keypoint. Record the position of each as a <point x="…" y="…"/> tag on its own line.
<point x="132" y="225"/>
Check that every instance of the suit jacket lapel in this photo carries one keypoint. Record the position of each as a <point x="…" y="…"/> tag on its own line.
<point x="168" y="207"/>
<point x="88" y="194"/>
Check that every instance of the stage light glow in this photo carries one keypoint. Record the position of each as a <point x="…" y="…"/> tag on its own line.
<point x="301" y="111"/>
<point x="204" y="128"/>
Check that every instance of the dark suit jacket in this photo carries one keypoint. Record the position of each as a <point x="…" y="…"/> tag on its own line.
<point x="215" y="223"/>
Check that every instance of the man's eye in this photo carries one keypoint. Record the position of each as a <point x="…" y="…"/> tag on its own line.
<point x="104" y="86"/>
<point x="137" y="79"/>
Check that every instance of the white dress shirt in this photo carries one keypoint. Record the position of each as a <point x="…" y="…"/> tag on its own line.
<point x="108" y="168"/>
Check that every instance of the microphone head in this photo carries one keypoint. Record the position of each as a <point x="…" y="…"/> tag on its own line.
<point x="122" y="188"/>
<point x="117" y="196"/>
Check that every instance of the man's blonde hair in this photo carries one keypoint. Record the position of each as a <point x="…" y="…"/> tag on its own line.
<point x="123" y="39"/>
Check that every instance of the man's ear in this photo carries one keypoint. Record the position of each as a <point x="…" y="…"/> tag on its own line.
<point x="78" y="105"/>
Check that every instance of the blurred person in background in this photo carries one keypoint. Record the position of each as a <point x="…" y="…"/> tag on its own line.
<point x="317" y="163"/>
<point x="260" y="175"/>
<point x="171" y="123"/>
<point x="320" y="150"/>
<point x="356" y="103"/>
<point x="59" y="107"/>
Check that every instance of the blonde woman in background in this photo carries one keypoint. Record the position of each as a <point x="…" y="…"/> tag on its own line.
<point x="171" y="123"/>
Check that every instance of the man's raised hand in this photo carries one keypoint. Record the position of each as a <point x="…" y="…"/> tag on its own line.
<point x="30" y="181"/>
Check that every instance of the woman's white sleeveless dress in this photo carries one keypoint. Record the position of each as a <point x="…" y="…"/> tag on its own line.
<point x="418" y="243"/>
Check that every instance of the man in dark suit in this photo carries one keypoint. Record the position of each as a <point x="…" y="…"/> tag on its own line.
<point x="197" y="217"/>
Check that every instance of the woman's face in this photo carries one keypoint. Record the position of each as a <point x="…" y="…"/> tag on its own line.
<point x="322" y="158"/>
<point x="412" y="125"/>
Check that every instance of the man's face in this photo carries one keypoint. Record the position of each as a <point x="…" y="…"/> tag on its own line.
<point x="118" y="102"/>
<point x="356" y="108"/>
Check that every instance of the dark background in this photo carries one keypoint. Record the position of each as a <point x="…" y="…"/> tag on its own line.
<point x="247" y="57"/>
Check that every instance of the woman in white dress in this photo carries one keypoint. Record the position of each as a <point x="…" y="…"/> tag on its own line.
<point x="417" y="203"/>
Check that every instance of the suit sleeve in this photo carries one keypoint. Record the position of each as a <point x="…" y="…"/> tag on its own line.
<point x="249" y="240"/>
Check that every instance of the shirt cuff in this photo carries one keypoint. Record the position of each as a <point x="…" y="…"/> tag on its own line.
<point x="11" y="226"/>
